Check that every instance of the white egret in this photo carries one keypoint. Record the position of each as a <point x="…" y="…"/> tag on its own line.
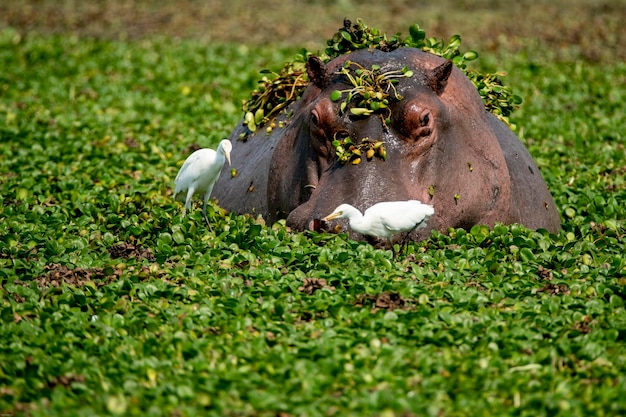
<point x="386" y="219"/>
<point x="199" y="174"/>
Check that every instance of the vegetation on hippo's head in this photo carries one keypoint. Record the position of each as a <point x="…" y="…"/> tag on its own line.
<point x="370" y="89"/>
<point x="275" y="94"/>
<point x="359" y="36"/>
<point x="350" y="152"/>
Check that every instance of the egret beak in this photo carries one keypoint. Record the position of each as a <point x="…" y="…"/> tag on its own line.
<point x="333" y="216"/>
<point x="228" y="158"/>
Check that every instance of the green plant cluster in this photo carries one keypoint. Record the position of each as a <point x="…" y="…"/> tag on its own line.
<point x="498" y="98"/>
<point x="352" y="37"/>
<point x="370" y="89"/>
<point x="349" y="152"/>
<point x="112" y="304"/>
<point x="274" y="94"/>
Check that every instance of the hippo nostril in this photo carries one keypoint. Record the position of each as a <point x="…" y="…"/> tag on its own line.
<point x="316" y="225"/>
<point x="319" y="225"/>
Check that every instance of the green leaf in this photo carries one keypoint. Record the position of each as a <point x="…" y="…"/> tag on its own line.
<point x="454" y="42"/>
<point x="417" y="34"/>
<point x="470" y="55"/>
<point x="360" y="111"/>
<point x="345" y="35"/>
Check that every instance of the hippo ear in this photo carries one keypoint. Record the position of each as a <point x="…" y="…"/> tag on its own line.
<point x="438" y="78"/>
<point x="316" y="69"/>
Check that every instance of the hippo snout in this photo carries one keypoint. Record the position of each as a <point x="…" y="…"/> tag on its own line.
<point x="312" y="223"/>
<point x="300" y="219"/>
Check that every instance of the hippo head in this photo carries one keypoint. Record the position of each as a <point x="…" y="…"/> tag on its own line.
<point x="440" y="145"/>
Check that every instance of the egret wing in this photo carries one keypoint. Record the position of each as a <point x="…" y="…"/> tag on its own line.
<point x="192" y="169"/>
<point x="401" y="216"/>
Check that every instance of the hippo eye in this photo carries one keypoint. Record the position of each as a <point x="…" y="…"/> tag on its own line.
<point x="424" y="117"/>
<point x="314" y="118"/>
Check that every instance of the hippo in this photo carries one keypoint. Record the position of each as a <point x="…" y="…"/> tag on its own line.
<point x="442" y="147"/>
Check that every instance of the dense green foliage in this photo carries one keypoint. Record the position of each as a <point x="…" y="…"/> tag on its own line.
<point x="112" y="304"/>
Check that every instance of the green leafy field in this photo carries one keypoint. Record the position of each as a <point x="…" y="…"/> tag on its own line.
<point x="112" y="304"/>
